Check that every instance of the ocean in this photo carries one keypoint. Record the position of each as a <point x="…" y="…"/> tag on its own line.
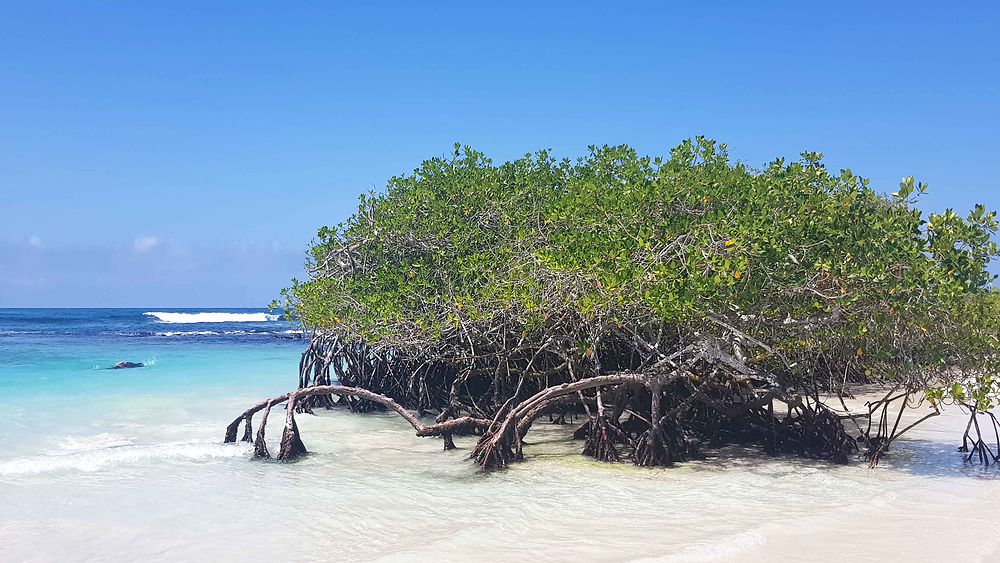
<point x="103" y="464"/>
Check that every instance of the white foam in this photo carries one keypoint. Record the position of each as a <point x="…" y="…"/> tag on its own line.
<point x="93" y="460"/>
<point x="724" y="548"/>
<point x="75" y="444"/>
<point x="180" y="333"/>
<point x="189" y="318"/>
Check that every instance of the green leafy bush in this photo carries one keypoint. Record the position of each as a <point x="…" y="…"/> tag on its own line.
<point x="826" y="272"/>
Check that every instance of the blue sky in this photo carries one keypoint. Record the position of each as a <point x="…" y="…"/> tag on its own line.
<point x="184" y="153"/>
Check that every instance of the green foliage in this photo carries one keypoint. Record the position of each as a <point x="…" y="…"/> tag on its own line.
<point x="832" y="277"/>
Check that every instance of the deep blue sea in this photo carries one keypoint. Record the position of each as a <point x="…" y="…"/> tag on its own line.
<point x="30" y="326"/>
<point x="101" y="464"/>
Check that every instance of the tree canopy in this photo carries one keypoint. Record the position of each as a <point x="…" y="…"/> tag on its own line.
<point x="615" y="263"/>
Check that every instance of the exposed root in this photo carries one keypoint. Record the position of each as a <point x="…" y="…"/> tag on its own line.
<point x="698" y="396"/>
<point x="980" y="452"/>
<point x="232" y="429"/>
<point x="652" y="449"/>
<point x="602" y="436"/>
<point x="495" y="450"/>
<point x="260" y="445"/>
<point x="449" y="443"/>
<point x="878" y="445"/>
<point x="247" y="430"/>
<point x="811" y="431"/>
<point x="446" y="437"/>
<point x="291" y="444"/>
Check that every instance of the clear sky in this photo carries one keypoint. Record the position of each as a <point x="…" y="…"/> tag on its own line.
<point x="157" y="154"/>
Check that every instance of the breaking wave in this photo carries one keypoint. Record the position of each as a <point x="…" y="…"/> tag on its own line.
<point x="190" y="318"/>
<point x="105" y="440"/>
<point x="119" y="454"/>
<point x="288" y="333"/>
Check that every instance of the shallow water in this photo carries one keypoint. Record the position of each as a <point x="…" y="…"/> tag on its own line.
<point x="128" y="464"/>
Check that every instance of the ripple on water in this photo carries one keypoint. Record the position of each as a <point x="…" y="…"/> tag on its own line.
<point x="370" y="490"/>
<point x="93" y="459"/>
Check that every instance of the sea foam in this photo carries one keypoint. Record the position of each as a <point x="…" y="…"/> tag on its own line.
<point x="79" y="444"/>
<point x="727" y="547"/>
<point x="93" y="460"/>
<point x="189" y="318"/>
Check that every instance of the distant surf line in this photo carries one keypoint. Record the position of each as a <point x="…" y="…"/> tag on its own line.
<point x="211" y="317"/>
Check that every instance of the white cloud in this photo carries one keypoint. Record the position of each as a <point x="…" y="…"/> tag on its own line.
<point x="35" y="240"/>
<point x="144" y="243"/>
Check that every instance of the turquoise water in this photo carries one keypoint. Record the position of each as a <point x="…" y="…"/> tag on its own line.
<point x="58" y="389"/>
<point x="109" y="465"/>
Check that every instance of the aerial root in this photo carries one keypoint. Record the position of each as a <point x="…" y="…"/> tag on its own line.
<point x="601" y="438"/>
<point x="878" y="444"/>
<point x="449" y="443"/>
<point x="706" y="413"/>
<point x="247" y="430"/>
<point x="260" y="445"/>
<point x="231" y="430"/>
<point x="291" y="443"/>
<point x="813" y="432"/>
<point x="446" y="437"/>
<point x="495" y="449"/>
<point x="652" y="449"/>
<point x="980" y="452"/>
<point x="824" y="437"/>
